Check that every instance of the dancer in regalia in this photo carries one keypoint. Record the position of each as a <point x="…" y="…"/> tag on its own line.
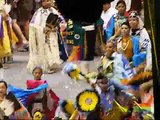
<point x="84" y="29"/>
<point x="43" y="39"/>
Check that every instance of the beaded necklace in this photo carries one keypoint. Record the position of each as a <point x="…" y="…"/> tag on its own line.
<point x="124" y="45"/>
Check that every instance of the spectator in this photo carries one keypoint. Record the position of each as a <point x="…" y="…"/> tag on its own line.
<point x="21" y="12"/>
<point x="11" y="108"/>
<point x="115" y="66"/>
<point x="129" y="46"/>
<point x="128" y="3"/>
<point x="107" y="12"/>
<point x="113" y="28"/>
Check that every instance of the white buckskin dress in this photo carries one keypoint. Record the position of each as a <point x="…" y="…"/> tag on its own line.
<point x="43" y="53"/>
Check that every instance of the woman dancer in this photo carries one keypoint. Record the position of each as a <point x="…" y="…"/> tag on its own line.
<point x="43" y="39"/>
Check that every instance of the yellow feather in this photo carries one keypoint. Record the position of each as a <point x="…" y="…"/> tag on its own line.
<point x="75" y="74"/>
<point x="69" y="107"/>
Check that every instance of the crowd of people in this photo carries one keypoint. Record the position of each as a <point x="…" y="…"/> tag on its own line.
<point x="121" y="86"/>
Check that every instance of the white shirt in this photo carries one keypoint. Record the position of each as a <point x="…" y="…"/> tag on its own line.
<point x="7" y="106"/>
<point x="105" y="16"/>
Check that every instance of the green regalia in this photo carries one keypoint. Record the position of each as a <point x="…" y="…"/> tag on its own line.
<point x="75" y="33"/>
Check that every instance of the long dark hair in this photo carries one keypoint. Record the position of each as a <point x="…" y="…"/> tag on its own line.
<point x="126" y="23"/>
<point x="5" y="83"/>
<point x="121" y="2"/>
<point x="10" y="96"/>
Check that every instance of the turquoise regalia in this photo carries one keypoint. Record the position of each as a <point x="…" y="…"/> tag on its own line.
<point x="138" y="56"/>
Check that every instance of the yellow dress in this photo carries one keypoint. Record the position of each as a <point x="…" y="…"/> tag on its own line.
<point x="14" y="37"/>
<point x="5" y="48"/>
